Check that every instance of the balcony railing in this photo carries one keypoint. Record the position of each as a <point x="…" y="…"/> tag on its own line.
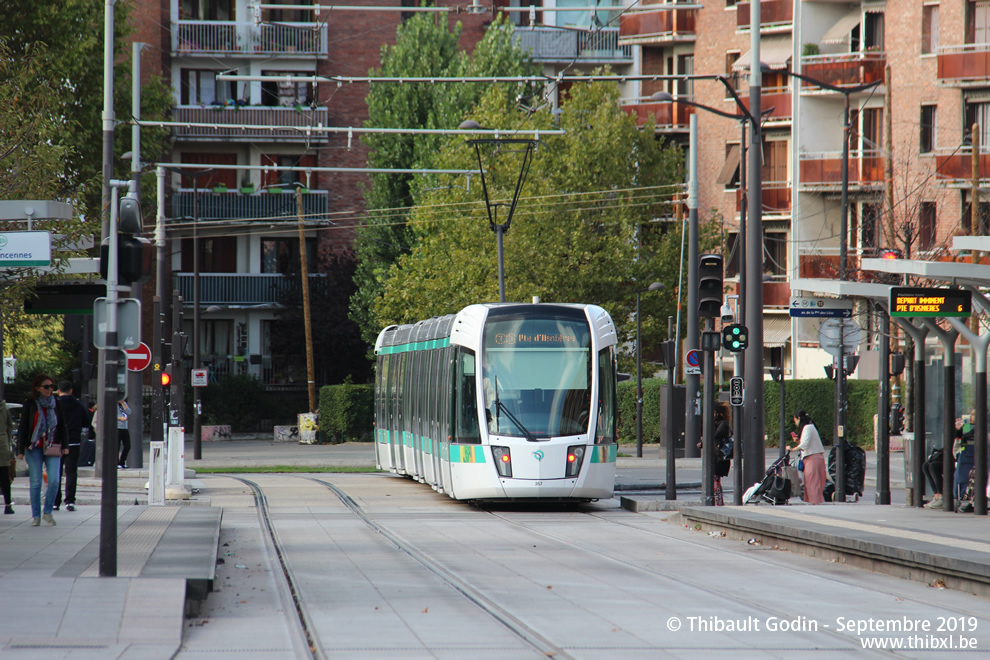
<point x="261" y="206"/>
<point x="229" y="38"/>
<point x="667" y="116"/>
<point x="772" y="13"/>
<point x="550" y="44"/>
<point x="844" y="69"/>
<point x="957" y="165"/>
<point x="665" y="24"/>
<point x="244" y="289"/>
<point x="825" y="169"/>
<point x="968" y="64"/>
<point x="776" y="197"/>
<point x="775" y="98"/>
<point x="220" y="118"/>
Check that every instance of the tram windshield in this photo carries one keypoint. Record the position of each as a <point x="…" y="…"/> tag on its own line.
<point x="536" y="372"/>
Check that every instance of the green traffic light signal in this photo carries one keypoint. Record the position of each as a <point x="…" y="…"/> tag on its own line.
<point x="735" y="337"/>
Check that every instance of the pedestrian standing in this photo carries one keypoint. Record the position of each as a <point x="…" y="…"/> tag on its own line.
<point x="123" y="435"/>
<point x="76" y="418"/>
<point x="41" y="440"/>
<point x="813" y="455"/>
<point x="6" y="455"/>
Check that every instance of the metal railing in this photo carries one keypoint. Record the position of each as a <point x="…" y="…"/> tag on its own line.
<point x="549" y="44"/>
<point x="220" y="118"/>
<point x="244" y="288"/>
<point x="226" y="38"/>
<point x="256" y="206"/>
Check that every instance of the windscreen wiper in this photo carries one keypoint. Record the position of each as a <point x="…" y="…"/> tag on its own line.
<point x="499" y="406"/>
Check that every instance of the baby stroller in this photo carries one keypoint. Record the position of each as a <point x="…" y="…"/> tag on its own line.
<point x="775" y="487"/>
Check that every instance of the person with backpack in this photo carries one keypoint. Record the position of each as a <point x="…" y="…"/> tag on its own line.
<point x="76" y="418"/>
<point x="813" y="455"/>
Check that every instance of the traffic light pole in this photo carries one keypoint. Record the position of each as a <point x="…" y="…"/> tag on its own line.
<point x="157" y="365"/>
<point x="692" y="381"/>
<point x="708" y="415"/>
<point x="883" y="419"/>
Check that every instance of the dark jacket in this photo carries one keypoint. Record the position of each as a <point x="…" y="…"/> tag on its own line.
<point x="76" y="418"/>
<point x="26" y="428"/>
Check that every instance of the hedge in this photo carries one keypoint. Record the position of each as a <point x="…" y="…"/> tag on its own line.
<point x="347" y="412"/>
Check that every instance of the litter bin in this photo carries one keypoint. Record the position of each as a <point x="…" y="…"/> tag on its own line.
<point x="307" y="428"/>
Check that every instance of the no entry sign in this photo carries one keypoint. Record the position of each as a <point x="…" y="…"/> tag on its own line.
<point x="138" y="358"/>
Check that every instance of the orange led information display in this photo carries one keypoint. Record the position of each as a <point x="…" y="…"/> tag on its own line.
<point x="911" y="302"/>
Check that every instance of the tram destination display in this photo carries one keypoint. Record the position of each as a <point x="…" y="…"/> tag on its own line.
<point x="929" y="302"/>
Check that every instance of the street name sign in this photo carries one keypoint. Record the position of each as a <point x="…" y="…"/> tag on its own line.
<point x="912" y="302"/>
<point x="821" y="307"/>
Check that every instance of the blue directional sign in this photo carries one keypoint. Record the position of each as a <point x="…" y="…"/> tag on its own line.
<point x="821" y="308"/>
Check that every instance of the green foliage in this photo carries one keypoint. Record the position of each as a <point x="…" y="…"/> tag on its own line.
<point x="424" y="47"/>
<point x="347" y="412"/>
<point x="584" y="231"/>
<point x="243" y="403"/>
<point x="652" y="423"/>
<point x="817" y="397"/>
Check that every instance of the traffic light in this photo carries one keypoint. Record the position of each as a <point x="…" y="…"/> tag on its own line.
<point x="735" y="337"/>
<point x="131" y="251"/>
<point x="896" y="364"/>
<point x="709" y="285"/>
<point x="166" y="376"/>
<point x="896" y="419"/>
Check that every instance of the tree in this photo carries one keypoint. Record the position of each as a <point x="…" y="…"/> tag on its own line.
<point x="338" y="350"/>
<point x="590" y="227"/>
<point x="424" y="47"/>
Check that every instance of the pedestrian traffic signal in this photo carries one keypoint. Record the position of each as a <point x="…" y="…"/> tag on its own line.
<point x="166" y="376"/>
<point x="735" y="337"/>
<point x="896" y="419"/>
<point x="896" y="364"/>
<point x="710" y="285"/>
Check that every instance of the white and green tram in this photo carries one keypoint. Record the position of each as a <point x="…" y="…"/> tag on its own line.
<point x="501" y="401"/>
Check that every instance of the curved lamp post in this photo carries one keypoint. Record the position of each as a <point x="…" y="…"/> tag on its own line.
<point x="656" y="286"/>
<point x="500" y="230"/>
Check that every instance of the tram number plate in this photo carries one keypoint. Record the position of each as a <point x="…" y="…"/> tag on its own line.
<point x="539" y="483"/>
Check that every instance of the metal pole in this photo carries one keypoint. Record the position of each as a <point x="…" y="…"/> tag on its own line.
<point x="782" y="418"/>
<point x="708" y="444"/>
<point x="671" y="485"/>
<point x="754" y="464"/>
<point x="307" y="319"/>
<point x="920" y="436"/>
<point x="135" y="379"/>
<point x="883" y="419"/>
<point x="692" y="381"/>
<point x="499" y="233"/>
<point x="979" y="344"/>
<point x="639" y="383"/>
<point x="197" y="391"/>
<point x="844" y="216"/>
<point x="840" y="419"/>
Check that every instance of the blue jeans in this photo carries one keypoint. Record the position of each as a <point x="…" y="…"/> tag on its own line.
<point x="35" y="458"/>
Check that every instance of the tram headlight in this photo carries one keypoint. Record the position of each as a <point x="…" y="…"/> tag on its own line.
<point x="503" y="461"/>
<point x="575" y="455"/>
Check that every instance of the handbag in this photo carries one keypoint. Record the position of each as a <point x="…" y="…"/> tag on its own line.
<point x="726" y="447"/>
<point x="801" y="463"/>
<point x="53" y="450"/>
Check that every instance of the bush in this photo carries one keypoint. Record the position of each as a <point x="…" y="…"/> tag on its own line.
<point x="347" y="412"/>
<point x="244" y="403"/>
<point x="626" y="427"/>
<point x="817" y="397"/>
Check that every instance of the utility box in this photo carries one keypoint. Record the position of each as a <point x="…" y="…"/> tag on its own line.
<point x="674" y="415"/>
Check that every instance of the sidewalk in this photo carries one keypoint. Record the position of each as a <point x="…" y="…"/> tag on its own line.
<point x="46" y="572"/>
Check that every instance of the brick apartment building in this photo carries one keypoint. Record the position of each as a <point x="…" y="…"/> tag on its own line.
<point x="915" y="124"/>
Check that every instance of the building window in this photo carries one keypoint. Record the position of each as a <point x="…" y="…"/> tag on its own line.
<point x="214" y="337"/>
<point x="871" y="214"/>
<point x="286" y="94"/>
<point x="873" y="32"/>
<point x="201" y="87"/>
<point x="928" y="128"/>
<point x="977" y="113"/>
<point x="774" y="255"/>
<point x="929" y="30"/>
<point x="732" y="263"/>
<point x="926" y="226"/>
<point x="982" y="219"/>
<point x="685" y="67"/>
<point x="217" y="254"/>
<point x="281" y="255"/>
<point x="734" y="77"/>
<point x="977" y="22"/>
<point x="206" y="10"/>
<point x="729" y="174"/>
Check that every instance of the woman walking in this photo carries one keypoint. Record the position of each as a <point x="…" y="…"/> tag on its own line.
<point x="123" y="435"/>
<point x="813" y="455"/>
<point x="41" y="441"/>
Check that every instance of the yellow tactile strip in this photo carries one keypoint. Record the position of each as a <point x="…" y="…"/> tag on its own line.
<point x="138" y="541"/>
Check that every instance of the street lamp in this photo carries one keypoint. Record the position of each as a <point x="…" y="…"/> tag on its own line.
<point x="492" y="209"/>
<point x="656" y="286"/>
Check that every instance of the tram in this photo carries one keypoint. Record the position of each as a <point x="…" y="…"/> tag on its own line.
<point x="501" y="401"/>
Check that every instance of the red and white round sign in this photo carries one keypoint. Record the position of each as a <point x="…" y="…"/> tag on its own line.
<point x="139" y="358"/>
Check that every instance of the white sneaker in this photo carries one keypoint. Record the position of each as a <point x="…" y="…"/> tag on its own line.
<point x="49" y="520"/>
<point x="936" y="503"/>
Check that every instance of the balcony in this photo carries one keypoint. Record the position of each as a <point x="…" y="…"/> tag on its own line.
<point x="776" y="197"/>
<point x="964" y="66"/>
<point x="232" y="39"/>
<point x="773" y="14"/>
<point x="667" y="116"/>
<point x="773" y="97"/>
<point x="243" y="289"/>
<point x="824" y="170"/>
<point x="559" y="46"/>
<point x="657" y="24"/>
<point x="775" y="294"/>
<point x="849" y="69"/>
<point x="956" y="166"/>
<point x="261" y="206"/>
<point x="221" y="118"/>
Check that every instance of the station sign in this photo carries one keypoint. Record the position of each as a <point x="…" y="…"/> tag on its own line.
<point x="25" y="248"/>
<point x="821" y="308"/>
<point x="912" y="302"/>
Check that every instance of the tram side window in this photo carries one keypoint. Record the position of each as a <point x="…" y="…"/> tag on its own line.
<point x="465" y="402"/>
<point x="605" y="432"/>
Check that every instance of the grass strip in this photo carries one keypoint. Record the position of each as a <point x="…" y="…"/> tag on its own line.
<point x="276" y="469"/>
